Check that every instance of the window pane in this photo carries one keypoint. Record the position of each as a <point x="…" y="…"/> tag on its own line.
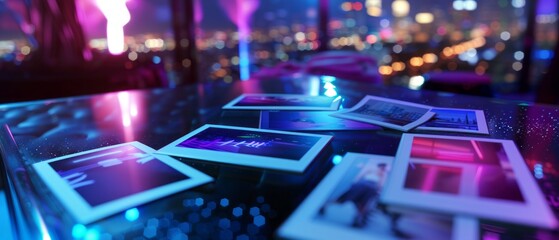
<point x="278" y="31"/>
<point x="412" y="38"/>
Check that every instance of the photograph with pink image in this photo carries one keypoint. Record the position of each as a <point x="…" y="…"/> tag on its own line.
<point x="464" y="175"/>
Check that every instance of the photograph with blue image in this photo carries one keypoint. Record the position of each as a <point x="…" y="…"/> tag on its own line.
<point x="456" y="120"/>
<point x="117" y="172"/>
<point x="253" y="147"/>
<point x="277" y="145"/>
<point x="453" y="118"/>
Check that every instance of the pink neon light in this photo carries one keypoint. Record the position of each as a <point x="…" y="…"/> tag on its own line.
<point x="134" y="110"/>
<point x="479" y="173"/>
<point x="117" y="16"/>
<point x="124" y="101"/>
<point x="455" y="156"/>
<point x="457" y="150"/>
<point x="430" y="178"/>
<point x="240" y="11"/>
<point x="476" y="147"/>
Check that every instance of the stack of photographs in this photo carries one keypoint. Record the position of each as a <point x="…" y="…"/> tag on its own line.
<point x="345" y="205"/>
<point x="481" y="177"/>
<point x="127" y="174"/>
<point x="437" y="187"/>
<point x="291" y="112"/>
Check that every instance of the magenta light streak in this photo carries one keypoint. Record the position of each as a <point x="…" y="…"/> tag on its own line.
<point x="454" y="156"/>
<point x="479" y="174"/>
<point x="240" y="12"/>
<point x="124" y="101"/>
<point x="117" y="15"/>
<point x="129" y="113"/>
<point x="429" y="181"/>
<point x="476" y="147"/>
<point x="198" y="12"/>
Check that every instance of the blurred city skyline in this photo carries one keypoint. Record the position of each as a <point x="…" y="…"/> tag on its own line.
<point x="407" y="38"/>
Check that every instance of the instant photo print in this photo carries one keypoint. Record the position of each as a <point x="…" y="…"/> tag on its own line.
<point x="284" y="102"/>
<point x="482" y="177"/>
<point x="456" y="120"/>
<point x="345" y="205"/>
<point x="251" y="147"/>
<point x="386" y="112"/>
<point x="127" y="175"/>
<point x="309" y="121"/>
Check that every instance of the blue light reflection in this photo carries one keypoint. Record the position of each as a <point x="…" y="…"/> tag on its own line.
<point x="328" y="78"/>
<point x="92" y="234"/>
<point x="132" y="214"/>
<point x="538" y="171"/>
<point x="79" y="231"/>
<point x="156" y="59"/>
<point x="337" y="159"/>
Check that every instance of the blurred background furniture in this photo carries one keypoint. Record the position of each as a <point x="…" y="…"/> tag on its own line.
<point x="344" y="64"/>
<point x="109" y="75"/>
<point x="459" y="82"/>
<point x="349" y="65"/>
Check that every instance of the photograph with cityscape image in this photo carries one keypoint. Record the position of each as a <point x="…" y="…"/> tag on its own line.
<point x="456" y="120"/>
<point x="390" y="113"/>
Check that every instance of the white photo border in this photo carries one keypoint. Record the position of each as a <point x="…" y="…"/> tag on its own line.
<point x="84" y="213"/>
<point x="480" y="118"/>
<point x="335" y="104"/>
<point x="428" y="115"/>
<point x="247" y="159"/>
<point x="534" y="211"/>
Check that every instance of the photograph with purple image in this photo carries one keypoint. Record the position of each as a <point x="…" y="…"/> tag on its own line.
<point x="487" y="161"/>
<point x="284" y="102"/>
<point x="482" y="177"/>
<point x="249" y="147"/>
<point x="128" y="175"/>
<point x="115" y="169"/>
<point x="268" y="144"/>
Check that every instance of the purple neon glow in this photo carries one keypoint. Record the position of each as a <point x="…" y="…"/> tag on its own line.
<point x="240" y="12"/>
<point x="476" y="148"/>
<point x="124" y="102"/>
<point x="198" y="12"/>
<point x="480" y="169"/>
<point x="117" y="15"/>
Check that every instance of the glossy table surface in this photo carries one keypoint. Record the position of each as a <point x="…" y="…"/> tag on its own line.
<point x="226" y="208"/>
